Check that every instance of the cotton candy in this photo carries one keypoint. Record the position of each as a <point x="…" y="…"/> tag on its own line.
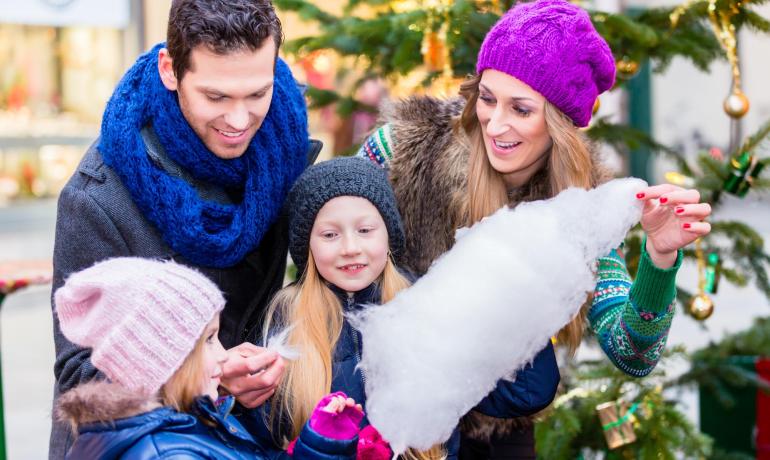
<point x="485" y="309"/>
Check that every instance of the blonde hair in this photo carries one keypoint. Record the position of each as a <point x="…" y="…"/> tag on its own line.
<point x="315" y="314"/>
<point x="569" y="165"/>
<point x="181" y="390"/>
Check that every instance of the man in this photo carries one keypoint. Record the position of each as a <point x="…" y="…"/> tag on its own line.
<point x="199" y="145"/>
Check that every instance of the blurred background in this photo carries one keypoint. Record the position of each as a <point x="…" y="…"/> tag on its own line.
<point x="665" y="121"/>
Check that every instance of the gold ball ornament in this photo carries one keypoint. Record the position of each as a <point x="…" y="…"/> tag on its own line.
<point x="701" y="307"/>
<point x="736" y="105"/>
<point x="626" y="67"/>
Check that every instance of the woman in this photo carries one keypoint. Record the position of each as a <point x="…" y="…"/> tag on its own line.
<point x="514" y="137"/>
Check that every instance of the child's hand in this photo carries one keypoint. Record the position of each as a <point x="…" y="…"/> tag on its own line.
<point x="336" y="416"/>
<point x="338" y="403"/>
<point x="371" y="446"/>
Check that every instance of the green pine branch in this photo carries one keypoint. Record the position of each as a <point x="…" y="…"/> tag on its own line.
<point x="717" y="368"/>
<point x="571" y="428"/>
<point x="755" y="140"/>
<point x="622" y="137"/>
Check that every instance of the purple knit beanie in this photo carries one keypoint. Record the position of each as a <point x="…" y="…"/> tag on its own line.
<point x="552" y="46"/>
<point x="141" y="317"/>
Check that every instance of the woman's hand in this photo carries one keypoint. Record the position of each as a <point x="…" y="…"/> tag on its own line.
<point x="672" y="218"/>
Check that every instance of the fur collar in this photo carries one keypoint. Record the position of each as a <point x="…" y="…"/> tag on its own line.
<point x="428" y="175"/>
<point x="100" y="401"/>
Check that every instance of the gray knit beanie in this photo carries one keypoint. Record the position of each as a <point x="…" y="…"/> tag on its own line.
<point x="349" y="176"/>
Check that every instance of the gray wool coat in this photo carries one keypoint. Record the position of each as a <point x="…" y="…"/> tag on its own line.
<point x="97" y="219"/>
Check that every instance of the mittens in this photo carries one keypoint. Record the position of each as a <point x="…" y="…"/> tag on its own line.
<point x="343" y="425"/>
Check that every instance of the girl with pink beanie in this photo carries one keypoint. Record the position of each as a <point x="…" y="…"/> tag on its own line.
<point x="514" y="136"/>
<point x="152" y="327"/>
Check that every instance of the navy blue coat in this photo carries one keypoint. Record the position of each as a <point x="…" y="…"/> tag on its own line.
<point x="533" y="390"/>
<point x="166" y="433"/>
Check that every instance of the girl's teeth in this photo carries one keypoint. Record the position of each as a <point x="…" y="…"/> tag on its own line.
<point x="505" y="145"/>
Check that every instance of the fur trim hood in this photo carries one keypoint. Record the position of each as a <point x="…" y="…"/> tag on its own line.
<point x="100" y="401"/>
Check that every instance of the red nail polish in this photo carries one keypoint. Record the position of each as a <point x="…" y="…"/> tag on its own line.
<point x="640" y="195"/>
<point x="679" y="210"/>
<point x="687" y="225"/>
<point x="663" y="200"/>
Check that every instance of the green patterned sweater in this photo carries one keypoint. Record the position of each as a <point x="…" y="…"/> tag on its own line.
<point x="631" y="320"/>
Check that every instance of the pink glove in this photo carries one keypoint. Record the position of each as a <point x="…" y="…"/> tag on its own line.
<point x="342" y="425"/>
<point x="371" y="446"/>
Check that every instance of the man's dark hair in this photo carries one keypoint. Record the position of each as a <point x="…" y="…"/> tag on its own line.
<point x="223" y="26"/>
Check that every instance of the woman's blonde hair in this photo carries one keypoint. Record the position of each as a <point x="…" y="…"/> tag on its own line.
<point x="315" y="314"/>
<point x="185" y="385"/>
<point x="569" y="165"/>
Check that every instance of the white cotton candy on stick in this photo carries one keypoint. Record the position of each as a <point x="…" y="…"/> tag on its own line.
<point x="485" y="309"/>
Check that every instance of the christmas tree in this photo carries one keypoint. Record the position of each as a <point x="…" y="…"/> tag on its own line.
<point x="429" y="46"/>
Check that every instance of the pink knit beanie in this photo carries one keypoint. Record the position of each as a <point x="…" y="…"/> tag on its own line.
<point x="552" y="46"/>
<point x="141" y="317"/>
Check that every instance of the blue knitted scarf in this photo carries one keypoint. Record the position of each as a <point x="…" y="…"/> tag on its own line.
<point x="206" y="233"/>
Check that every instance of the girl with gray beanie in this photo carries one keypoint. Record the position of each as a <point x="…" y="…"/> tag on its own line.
<point x="513" y="137"/>
<point x="152" y="329"/>
<point x="345" y="233"/>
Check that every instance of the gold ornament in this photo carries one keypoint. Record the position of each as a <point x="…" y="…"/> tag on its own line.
<point x="701" y="307"/>
<point x="597" y="104"/>
<point x="626" y="67"/>
<point x="617" y="418"/>
<point x="736" y="104"/>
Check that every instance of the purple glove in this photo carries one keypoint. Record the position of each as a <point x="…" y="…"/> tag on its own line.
<point x="335" y="425"/>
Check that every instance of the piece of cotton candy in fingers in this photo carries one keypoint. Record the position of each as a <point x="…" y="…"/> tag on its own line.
<point x="277" y="343"/>
<point x="485" y="309"/>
